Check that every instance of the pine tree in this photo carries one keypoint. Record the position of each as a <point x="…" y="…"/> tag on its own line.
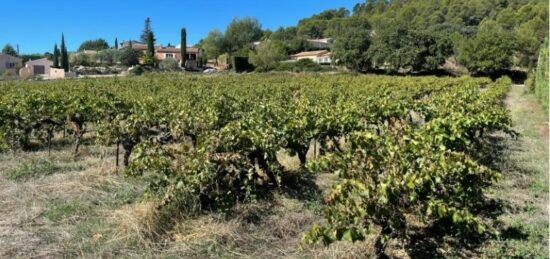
<point x="146" y="30"/>
<point x="183" y="47"/>
<point x="116" y="43"/>
<point x="64" y="54"/>
<point x="56" y="56"/>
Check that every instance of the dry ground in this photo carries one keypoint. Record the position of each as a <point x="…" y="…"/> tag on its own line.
<point x="53" y="206"/>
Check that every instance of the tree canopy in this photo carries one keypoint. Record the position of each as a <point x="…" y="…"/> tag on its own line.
<point x="268" y="55"/>
<point x="97" y="45"/>
<point x="9" y="50"/>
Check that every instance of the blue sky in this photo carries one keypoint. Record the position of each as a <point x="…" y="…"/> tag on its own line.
<point x="37" y="25"/>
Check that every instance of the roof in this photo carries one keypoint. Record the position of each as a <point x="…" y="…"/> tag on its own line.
<point x="39" y="60"/>
<point x="176" y="50"/>
<point x="317" y="53"/>
<point x="10" y="56"/>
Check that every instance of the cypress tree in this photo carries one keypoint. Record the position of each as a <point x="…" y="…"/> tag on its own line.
<point x="116" y="43"/>
<point x="146" y="30"/>
<point x="183" y="48"/>
<point x="151" y="48"/>
<point x="64" y="54"/>
<point x="55" y="56"/>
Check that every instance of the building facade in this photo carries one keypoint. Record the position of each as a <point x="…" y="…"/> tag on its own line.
<point x="10" y="64"/>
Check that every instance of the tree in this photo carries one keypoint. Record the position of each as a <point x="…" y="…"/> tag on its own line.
<point x="107" y="57"/>
<point x="351" y="49"/>
<point x="56" y="56"/>
<point x="150" y="56"/>
<point x="489" y="51"/>
<point x="397" y="47"/>
<point x="241" y="33"/>
<point x="64" y="54"/>
<point x="116" y="43"/>
<point x="146" y="30"/>
<point x="213" y="44"/>
<point x="315" y="27"/>
<point x="268" y="55"/>
<point x="129" y="57"/>
<point x="9" y="50"/>
<point x="183" y="47"/>
<point x="97" y="45"/>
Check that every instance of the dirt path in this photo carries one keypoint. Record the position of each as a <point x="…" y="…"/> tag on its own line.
<point x="524" y="188"/>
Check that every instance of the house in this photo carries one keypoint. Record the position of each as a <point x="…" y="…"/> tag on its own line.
<point x="39" y="67"/>
<point x="192" y="59"/>
<point x="321" y="43"/>
<point x="137" y="45"/>
<point x="162" y="53"/>
<point x="9" y="63"/>
<point x="318" y="56"/>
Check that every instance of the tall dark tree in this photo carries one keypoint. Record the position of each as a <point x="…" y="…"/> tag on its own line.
<point x="116" y="43"/>
<point x="64" y="54"/>
<point x="183" y="47"/>
<point x="146" y="30"/>
<point x="56" y="56"/>
<point x="150" y="56"/>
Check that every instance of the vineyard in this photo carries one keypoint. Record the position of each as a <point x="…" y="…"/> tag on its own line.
<point x="404" y="149"/>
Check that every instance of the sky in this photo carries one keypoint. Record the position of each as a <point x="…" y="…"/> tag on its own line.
<point x="36" y="25"/>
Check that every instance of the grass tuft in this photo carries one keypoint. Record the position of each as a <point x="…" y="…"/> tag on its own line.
<point x="42" y="167"/>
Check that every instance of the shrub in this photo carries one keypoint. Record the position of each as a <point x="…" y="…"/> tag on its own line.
<point x="169" y="64"/>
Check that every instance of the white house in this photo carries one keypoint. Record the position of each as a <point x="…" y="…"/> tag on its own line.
<point x="318" y="56"/>
<point x="39" y="67"/>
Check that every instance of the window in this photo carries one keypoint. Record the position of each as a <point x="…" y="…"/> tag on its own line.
<point x="169" y="55"/>
<point x="10" y="65"/>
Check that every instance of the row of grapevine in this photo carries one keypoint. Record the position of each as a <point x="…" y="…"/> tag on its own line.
<point x="401" y="146"/>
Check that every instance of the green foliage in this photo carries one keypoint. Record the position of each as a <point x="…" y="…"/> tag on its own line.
<point x="302" y="65"/>
<point x="213" y="44"/>
<point x="240" y="33"/>
<point x="40" y="168"/>
<point x="129" y="57"/>
<point x="146" y="30"/>
<point x="541" y="76"/>
<point x="183" y="50"/>
<point x="267" y="55"/>
<point x="81" y="59"/>
<point x="241" y="64"/>
<point x="169" y="64"/>
<point x="9" y="50"/>
<point x="351" y="45"/>
<point x="316" y="26"/>
<point x="398" y="48"/>
<point x="149" y="58"/>
<point x="56" y="56"/>
<point x="211" y="142"/>
<point x="489" y="51"/>
<point x="107" y="57"/>
<point x="97" y="45"/>
<point x="64" y="54"/>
